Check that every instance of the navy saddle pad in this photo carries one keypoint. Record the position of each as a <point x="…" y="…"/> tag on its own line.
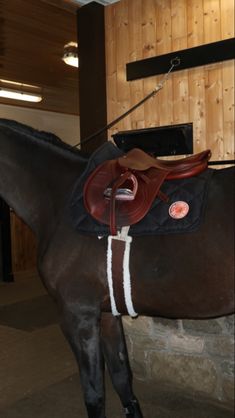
<point x="158" y="221"/>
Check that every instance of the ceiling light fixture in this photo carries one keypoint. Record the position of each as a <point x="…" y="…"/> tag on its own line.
<point x="19" y="95"/>
<point x="18" y="84"/>
<point x="70" y="56"/>
<point x="15" y="90"/>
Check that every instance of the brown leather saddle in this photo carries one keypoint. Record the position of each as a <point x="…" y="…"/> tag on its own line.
<point x="120" y="192"/>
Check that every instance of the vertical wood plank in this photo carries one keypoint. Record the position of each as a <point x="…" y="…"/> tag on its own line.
<point x="212" y="22"/>
<point x="227" y="18"/>
<point x="149" y="28"/>
<point x="136" y="53"/>
<point x="163" y="27"/>
<point x="181" y="97"/>
<point x="197" y="100"/>
<point x="149" y="50"/>
<point x="164" y="45"/>
<point x="195" y="23"/>
<point x="227" y="31"/>
<point x="179" y="24"/>
<point x="213" y="74"/>
<point x="214" y="108"/>
<point x="123" y="89"/>
<point x="197" y="108"/>
<point x="180" y="79"/>
<point x="228" y="109"/>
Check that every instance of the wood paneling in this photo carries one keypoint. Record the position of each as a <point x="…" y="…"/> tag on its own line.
<point x="23" y="245"/>
<point x="203" y="95"/>
<point x="32" y="37"/>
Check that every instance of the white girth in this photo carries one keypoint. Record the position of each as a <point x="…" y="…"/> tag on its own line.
<point x="122" y="236"/>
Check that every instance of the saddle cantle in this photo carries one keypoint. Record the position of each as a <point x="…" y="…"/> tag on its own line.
<point x="120" y="192"/>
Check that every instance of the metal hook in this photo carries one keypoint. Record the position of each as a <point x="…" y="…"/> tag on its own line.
<point x="175" y="61"/>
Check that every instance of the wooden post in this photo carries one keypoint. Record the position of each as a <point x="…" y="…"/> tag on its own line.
<point x="92" y="74"/>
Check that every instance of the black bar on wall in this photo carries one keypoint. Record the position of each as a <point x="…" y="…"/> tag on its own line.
<point x="5" y="243"/>
<point x="189" y="58"/>
<point x="159" y="141"/>
<point x="92" y="73"/>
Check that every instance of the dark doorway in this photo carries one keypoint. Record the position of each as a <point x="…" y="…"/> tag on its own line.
<point x="6" y="274"/>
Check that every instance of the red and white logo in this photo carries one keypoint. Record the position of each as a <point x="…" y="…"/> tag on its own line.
<point x="178" y="210"/>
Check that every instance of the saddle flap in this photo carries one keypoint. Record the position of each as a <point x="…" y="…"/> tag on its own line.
<point x="127" y="212"/>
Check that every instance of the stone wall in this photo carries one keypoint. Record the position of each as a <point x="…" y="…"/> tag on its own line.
<point x="194" y="356"/>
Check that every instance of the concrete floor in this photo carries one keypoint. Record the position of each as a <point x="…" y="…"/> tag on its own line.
<point x="38" y="374"/>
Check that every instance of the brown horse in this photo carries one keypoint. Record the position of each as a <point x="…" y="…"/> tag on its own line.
<point x="174" y="276"/>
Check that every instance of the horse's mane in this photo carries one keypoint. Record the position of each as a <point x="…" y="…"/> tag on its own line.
<point x="47" y="137"/>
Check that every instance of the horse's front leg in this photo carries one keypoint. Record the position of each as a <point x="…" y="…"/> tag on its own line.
<point x="116" y="357"/>
<point x="81" y="326"/>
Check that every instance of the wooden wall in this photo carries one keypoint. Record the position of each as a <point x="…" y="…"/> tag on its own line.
<point x="137" y="29"/>
<point x="23" y="246"/>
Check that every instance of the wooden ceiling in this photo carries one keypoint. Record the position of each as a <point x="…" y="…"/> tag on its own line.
<point x="32" y="36"/>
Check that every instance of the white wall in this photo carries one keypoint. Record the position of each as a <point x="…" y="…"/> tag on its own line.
<point x="66" y="127"/>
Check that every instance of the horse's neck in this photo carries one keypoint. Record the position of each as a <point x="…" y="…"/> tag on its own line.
<point x="34" y="181"/>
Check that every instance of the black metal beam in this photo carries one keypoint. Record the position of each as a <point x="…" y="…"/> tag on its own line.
<point x="189" y="58"/>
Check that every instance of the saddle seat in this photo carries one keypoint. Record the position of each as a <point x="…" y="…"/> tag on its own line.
<point x="136" y="159"/>
<point x="120" y="192"/>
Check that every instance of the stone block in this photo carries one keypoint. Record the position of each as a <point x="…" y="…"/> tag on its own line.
<point x="228" y="390"/>
<point x="139" y="361"/>
<point x="205" y="326"/>
<point x="164" y="325"/>
<point x="227" y="368"/>
<point x="193" y="373"/>
<point x="229" y="324"/>
<point x="186" y="343"/>
<point x="139" y="369"/>
<point x="142" y="325"/>
<point x="220" y="345"/>
<point x="129" y="345"/>
<point x="148" y="344"/>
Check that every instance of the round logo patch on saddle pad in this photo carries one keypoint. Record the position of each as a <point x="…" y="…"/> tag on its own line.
<point x="178" y="210"/>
